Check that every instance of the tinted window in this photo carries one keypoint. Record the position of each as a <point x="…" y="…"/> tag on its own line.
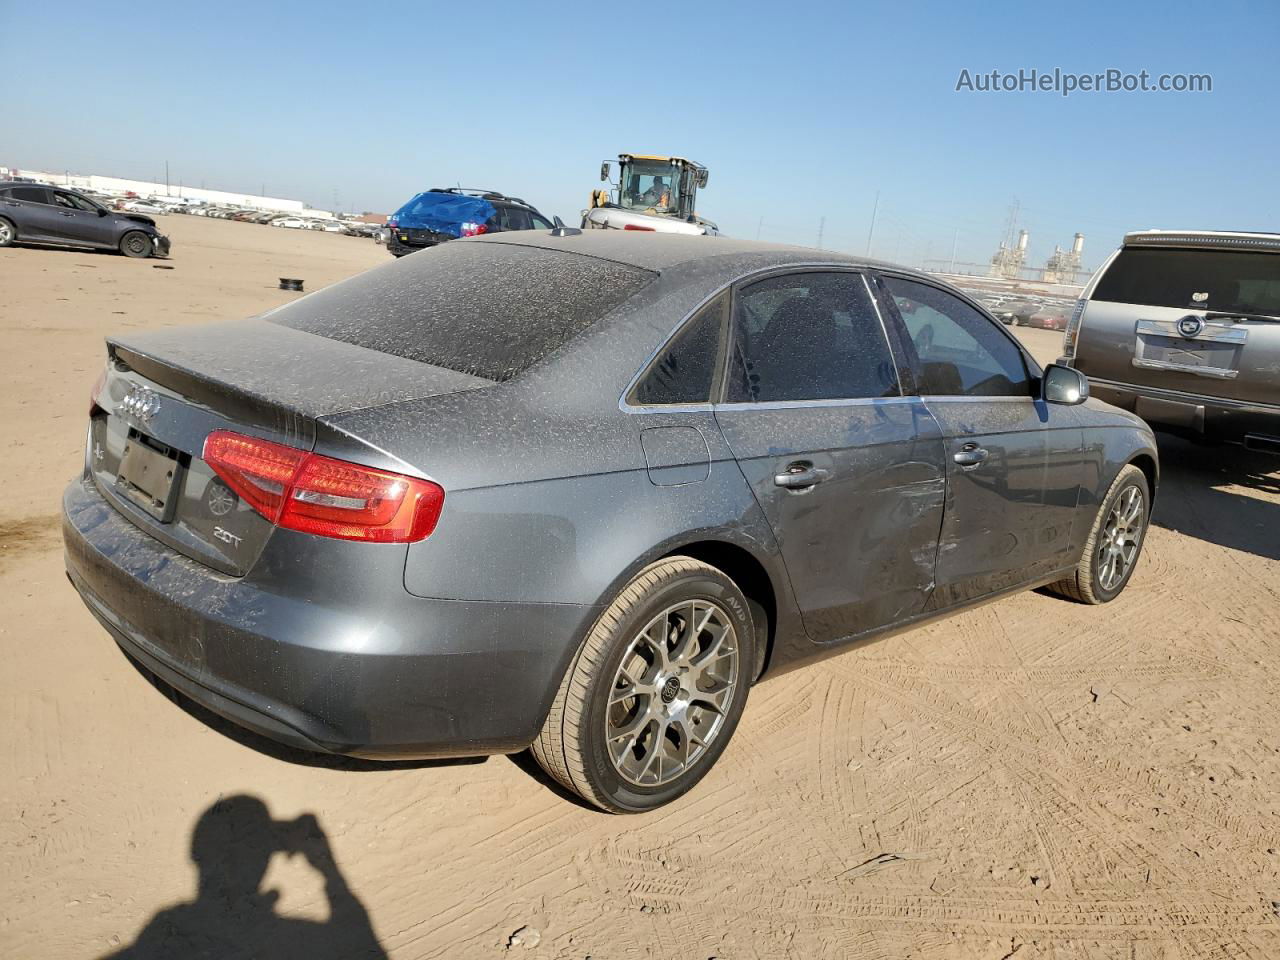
<point x="962" y="352"/>
<point x="72" y="201"/>
<point x="1227" y="280"/>
<point x="488" y="309"/>
<point x="30" y="194"/>
<point x="684" y="370"/>
<point x="539" y="223"/>
<point x="809" y="336"/>
<point x="513" y="218"/>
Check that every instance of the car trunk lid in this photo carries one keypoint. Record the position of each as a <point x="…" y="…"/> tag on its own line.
<point x="166" y="391"/>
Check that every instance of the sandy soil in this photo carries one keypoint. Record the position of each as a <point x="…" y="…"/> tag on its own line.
<point x="1031" y="779"/>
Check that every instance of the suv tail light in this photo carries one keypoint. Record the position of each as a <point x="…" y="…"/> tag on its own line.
<point x="323" y="496"/>
<point x="1070" y="335"/>
<point x="473" y="229"/>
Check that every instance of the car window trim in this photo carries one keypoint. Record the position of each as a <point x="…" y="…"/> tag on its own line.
<point x="718" y="383"/>
<point x="1033" y="369"/>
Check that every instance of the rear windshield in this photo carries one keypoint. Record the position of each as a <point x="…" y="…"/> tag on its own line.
<point x="487" y="309"/>
<point x="1228" y="281"/>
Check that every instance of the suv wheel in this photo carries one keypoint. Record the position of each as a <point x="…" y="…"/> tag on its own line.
<point x="135" y="243"/>
<point x="656" y="690"/>
<point x="1114" y="544"/>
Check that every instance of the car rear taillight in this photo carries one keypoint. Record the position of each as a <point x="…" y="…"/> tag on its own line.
<point x="473" y="229"/>
<point x="1072" y="332"/>
<point x="632" y="226"/>
<point x="96" y="390"/>
<point x="329" y="498"/>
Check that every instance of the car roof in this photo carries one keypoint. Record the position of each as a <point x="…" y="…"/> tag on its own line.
<point x="665" y="252"/>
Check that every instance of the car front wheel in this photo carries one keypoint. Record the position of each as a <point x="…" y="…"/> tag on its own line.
<point x="135" y="243"/>
<point x="1115" y="541"/>
<point x="655" y="691"/>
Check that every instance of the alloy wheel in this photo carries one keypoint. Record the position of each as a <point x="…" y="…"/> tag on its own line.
<point x="1120" y="538"/>
<point x="671" y="693"/>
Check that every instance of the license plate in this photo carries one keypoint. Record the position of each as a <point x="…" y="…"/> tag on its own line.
<point x="149" y="476"/>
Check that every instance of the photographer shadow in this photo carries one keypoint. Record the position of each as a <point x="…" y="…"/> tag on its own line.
<point x="231" y="917"/>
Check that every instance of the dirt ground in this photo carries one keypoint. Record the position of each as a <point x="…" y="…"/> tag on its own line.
<point x="1031" y="779"/>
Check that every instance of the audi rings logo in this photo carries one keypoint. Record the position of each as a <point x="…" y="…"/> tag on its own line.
<point x="1191" y="326"/>
<point x="141" y="403"/>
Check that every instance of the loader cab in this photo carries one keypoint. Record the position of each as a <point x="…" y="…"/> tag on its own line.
<point x="664" y="185"/>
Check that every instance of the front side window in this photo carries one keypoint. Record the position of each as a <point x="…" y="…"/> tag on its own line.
<point x="809" y="336"/>
<point x="684" y="370"/>
<point x="962" y="352"/>
<point x="651" y="184"/>
<point x="71" y="201"/>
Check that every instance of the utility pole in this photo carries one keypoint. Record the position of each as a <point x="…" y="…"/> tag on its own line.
<point x="822" y="223"/>
<point x="872" y="232"/>
<point x="759" y="227"/>
<point x="954" y="241"/>
<point x="166" y="178"/>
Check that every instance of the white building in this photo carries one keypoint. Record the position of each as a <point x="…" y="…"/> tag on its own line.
<point x="145" y="188"/>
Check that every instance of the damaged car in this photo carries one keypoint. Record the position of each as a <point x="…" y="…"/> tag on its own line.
<point x="34" y="213"/>
<point x="577" y="491"/>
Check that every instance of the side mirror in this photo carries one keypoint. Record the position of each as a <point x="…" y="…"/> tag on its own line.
<point x="1064" y="385"/>
<point x="702" y="177"/>
<point x="103" y="211"/>
<point x="604" y="171"/>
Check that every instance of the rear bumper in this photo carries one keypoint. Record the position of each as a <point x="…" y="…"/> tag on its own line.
<point x="399" y="248"/>
<point x="393" y="676"/>
<point x="1218" y="418"/>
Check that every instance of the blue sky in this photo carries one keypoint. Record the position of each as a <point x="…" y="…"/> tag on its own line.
<point x="801" y="111"/>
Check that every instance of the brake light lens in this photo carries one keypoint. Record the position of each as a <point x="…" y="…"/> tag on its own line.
<point x="632" y="226"/>
<point x="320" y="495"/>
<point x="1071" y="334"/>
<point x="473" y="229"/>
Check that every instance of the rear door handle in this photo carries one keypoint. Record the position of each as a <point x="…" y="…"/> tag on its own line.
<point x="970" y="455"/>
<point x="66" y="213"/>
<point x="800" y="476"/>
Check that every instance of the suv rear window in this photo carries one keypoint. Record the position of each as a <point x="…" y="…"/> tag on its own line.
<point x="487" y="309"/>
<point x="1223" y="281"/>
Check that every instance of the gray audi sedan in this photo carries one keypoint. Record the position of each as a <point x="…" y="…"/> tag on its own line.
<point x="578" y="492"/>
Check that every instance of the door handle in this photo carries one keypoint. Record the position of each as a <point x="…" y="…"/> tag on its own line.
<point x="970" y="455"/>
<point x="801" y="475"/>
<point x="66" y="213"/>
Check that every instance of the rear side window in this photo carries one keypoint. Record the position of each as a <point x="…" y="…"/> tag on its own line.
<point x="30" y="194"/>
<point x="1231" y="281"/>
<point x="962" y="352"/>
<point x="809" y="336"/>
<point x="487" y="309"/>
<point x="685" y="368"/>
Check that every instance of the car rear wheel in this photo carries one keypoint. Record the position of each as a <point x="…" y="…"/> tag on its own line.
<point x="8" y="233"/>
<point x="1115" y="542"/>
<point x="135" y="243"/>
<point x="655" y="691"/>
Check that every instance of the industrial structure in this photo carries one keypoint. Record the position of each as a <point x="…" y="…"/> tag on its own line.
<point x="1064" y="265"/>
<point x="1007" y="261"/>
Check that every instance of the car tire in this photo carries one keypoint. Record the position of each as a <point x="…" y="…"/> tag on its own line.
<point x="608" y="746"/>
<point x="8" y="232"/>
<point x="137" y="244"/>
<point x="1102" y="572"/>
